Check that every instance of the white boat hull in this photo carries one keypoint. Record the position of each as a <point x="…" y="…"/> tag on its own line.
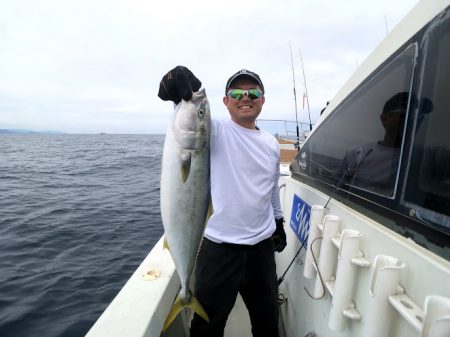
<point x="419" y="275"/>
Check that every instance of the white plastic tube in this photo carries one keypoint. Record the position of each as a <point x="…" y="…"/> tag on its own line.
<point x="386" y="272"/>
<point x="345" y="279"/>
<point x="328" y="252"/>
<point x="317" y="214"/>
<point x="437" y="317"/>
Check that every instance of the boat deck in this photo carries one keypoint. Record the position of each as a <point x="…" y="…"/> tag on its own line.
<point x="238" y="324"/>
<point x="287" y="150"/>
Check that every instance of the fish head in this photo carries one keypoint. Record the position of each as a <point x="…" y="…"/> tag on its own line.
<point x="192" y="122"/>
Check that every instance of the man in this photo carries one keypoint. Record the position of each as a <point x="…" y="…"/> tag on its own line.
<point x="373" y="166"/>
<point x="237" y="253"/>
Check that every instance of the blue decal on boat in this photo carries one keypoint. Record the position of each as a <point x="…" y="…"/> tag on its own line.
<point x="300" y="215"/>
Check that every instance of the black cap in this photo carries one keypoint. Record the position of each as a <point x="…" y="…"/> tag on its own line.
<point x="244" y="73"/>
<point x="397" y="102"/>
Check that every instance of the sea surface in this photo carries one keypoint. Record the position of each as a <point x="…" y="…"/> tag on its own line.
<point x="78" y="214"/>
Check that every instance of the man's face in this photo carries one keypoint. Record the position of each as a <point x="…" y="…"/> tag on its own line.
<point x="392" y="120"/>
<point x="244" y="111"/>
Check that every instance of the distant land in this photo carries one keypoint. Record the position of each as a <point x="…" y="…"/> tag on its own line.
<point x="29" y="132"/>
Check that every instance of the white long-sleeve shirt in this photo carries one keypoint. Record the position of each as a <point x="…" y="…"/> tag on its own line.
<point x="244" y="184"/>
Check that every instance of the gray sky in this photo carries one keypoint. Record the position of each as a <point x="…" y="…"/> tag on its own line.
<point x="90" y="66"/>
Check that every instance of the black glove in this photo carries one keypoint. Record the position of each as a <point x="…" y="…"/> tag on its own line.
<point x="177" y="84"/>
<point x="279" y="236"/>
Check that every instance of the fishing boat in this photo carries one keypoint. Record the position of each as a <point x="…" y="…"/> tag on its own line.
<point x="367" y="208"/>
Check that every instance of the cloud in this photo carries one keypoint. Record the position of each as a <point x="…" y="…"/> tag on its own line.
<point x="91" y="66"/>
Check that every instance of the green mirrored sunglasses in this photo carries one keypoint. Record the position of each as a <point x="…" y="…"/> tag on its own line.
<point x="239" y="93"/>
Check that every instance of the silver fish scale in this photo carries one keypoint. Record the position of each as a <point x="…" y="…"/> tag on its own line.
<point x="185" y="200"/>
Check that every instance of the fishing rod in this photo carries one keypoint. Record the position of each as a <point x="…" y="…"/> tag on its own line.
<point x="297" y="145"/>
<point x="281" y="279"/>
<point x="306" y="90"/>
<point x="362" y="154"/>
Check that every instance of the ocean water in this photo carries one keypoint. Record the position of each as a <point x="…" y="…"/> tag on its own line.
<point x="78" y="214"/>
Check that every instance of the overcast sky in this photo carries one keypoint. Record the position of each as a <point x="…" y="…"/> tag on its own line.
<point x="90" y="66"/>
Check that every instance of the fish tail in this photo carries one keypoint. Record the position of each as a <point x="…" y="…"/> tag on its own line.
<point x="166" y="245"/>
<point x="177" y="306"/>
<point x="198" y="309"/>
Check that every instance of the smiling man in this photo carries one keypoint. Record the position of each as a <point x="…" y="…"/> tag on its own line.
<point x="244" y="98"/>
<point x="246" y="227"/>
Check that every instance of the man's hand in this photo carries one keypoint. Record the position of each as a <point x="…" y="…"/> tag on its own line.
<point x="279" y="236"/>
<point x="177" y="84"/>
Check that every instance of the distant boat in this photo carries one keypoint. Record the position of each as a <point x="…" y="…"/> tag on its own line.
<point x="102" y="133"/>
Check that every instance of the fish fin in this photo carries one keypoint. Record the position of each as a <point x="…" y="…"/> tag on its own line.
<point x="185" y="168"/>
<point x="166" y="245"/>
<point x="177" y="306"/>
<point x="209" y="212"/>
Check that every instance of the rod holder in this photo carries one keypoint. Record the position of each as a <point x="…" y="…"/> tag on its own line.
<point x="328" y="253"/>
<point x="345" y="280"/>
<point x="437" y="317"/>
<point x="317" y="214"/>
<point x="385" y="276"/>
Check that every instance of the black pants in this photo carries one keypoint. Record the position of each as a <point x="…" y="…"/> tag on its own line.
<point x="222" y="271"/>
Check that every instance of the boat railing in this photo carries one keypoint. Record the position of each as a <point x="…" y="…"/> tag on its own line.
<point x="287" y="130"/>
<point x="144" y="302"/>
<point x="290" y="136"/>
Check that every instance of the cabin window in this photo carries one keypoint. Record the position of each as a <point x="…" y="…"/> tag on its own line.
<point x="428" y="183"/>
<point x="361" y="142"/>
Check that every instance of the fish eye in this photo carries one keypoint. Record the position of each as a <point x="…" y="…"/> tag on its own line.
<point x="201" y="113"/>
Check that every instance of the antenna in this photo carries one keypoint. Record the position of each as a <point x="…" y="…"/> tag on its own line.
<point x="297" y="145"/>
<point x="306" y="91"/>
<point x="386" y="25"/>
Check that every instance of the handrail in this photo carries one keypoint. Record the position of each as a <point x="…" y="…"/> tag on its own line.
<point x="287" y="133"/>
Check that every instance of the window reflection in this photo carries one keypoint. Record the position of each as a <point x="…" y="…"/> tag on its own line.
<point x="373" y="166"/>
<point x="428" y="184"/>
<point x="365" y="131"/>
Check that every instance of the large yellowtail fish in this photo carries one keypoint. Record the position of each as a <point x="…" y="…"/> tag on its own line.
<point x="185" y="192"/>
